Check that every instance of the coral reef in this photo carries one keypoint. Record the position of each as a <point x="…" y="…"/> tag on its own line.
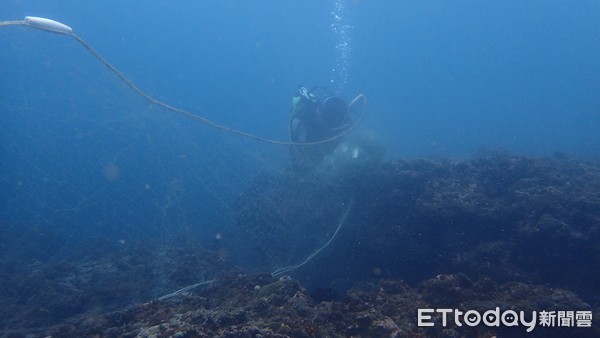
<point x="512" y="232"/>
<point x="241" y="305"/>
<point x="506" y="217"/>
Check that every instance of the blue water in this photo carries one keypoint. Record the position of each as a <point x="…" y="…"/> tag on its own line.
<point x="444" y="79"/>
<point x="85" y="158"/>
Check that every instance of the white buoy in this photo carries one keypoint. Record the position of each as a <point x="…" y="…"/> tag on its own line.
<point x="48" y="25"/>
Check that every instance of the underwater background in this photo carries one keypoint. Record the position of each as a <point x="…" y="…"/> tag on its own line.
<point x="92" y="174"/>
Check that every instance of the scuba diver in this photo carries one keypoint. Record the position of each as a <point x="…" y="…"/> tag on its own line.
<point x="317" y="115"/>
<point x="316" y="118"/>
